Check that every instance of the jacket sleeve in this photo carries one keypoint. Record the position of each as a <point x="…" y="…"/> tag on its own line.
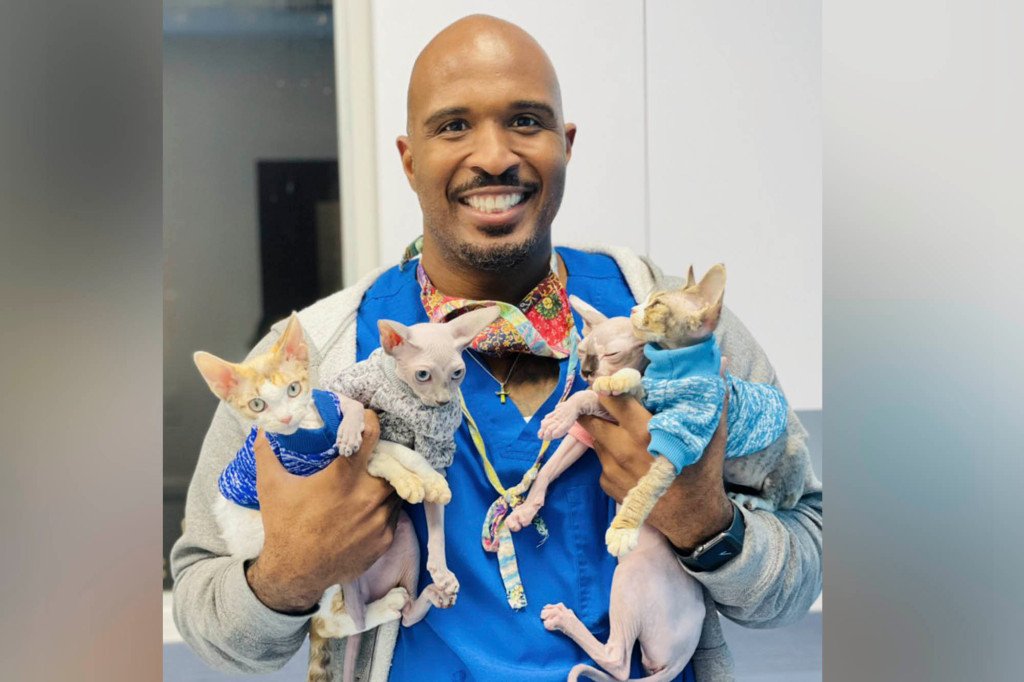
<point x="777" y="576"/>
<point x="214" y="609"/>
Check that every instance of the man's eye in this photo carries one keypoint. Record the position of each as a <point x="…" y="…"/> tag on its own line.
<point x="454" y="127"/>
<point x="525" y="121"/>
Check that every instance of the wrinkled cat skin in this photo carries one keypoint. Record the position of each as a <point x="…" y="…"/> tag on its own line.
<point x="653" y="599"/>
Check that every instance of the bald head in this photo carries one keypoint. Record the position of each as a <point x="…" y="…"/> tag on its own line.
<point x="477" y="42"/>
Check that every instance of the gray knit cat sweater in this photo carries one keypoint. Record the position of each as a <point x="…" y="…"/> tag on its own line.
<point x="403" y="418"/>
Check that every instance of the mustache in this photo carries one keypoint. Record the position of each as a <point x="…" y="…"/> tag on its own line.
<point x="509" y="178"/>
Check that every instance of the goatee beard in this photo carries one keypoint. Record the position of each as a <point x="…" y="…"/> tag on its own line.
<point x="497" y="258"/>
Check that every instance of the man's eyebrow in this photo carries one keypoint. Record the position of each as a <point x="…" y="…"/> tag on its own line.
<point x="441" y="114"/>
<point x="534" y="105"/>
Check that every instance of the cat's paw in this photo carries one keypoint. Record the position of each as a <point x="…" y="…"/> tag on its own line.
<point x="624" y="381"/>
<point x="557" y="423"/>
<point x="752" y="502"/>
<point x="621" y="541"/>
<point x="408" y="485"/>
<point x="438" y="597"/>
<point x="435" y="489"/>
<point x="335" y="626"/>
<point x="557" y="617"/>
<point x="446" y="583"/>
<point x="522" y="516"/>
<point x="350" y="437"/>
<point x="396" y="599"/>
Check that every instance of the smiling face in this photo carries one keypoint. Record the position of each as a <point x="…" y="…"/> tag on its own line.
<point x="486" y="149"/>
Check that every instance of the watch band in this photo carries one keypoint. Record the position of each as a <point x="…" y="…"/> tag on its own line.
<point x="720" y="549"/>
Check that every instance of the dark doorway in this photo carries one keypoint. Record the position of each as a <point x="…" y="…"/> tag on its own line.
<point x="300" y="236"/>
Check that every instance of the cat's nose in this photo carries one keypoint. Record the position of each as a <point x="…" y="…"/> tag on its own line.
<point x="286" y="420"/>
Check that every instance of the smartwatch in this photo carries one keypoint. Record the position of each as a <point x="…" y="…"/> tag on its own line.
<point x="717" y="551"/>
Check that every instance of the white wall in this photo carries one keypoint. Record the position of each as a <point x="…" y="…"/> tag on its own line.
<point x="699" y="141"/>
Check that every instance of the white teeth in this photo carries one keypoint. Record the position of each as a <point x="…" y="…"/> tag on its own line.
<point x="494" y="203"/>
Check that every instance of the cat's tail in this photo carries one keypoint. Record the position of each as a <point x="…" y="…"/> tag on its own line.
<point x="351" y="652"/>
<point x="664" y="675"/>
<point x="319" y="657"/>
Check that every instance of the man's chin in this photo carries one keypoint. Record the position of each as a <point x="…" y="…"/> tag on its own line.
<point x="500" y="250"/>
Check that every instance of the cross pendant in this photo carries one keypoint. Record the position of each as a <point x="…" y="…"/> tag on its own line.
<point x="502" y="394"/>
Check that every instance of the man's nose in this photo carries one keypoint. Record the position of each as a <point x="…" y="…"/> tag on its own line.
<point x="493" y="153"/>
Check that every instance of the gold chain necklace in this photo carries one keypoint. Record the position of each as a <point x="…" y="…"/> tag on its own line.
<point x="501" y="393"/>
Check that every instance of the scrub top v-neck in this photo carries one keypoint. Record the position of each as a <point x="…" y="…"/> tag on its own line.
<point x="481" y="638"/>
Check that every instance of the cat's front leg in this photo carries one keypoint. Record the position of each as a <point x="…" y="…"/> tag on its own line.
<point x="350" y="433"/>
<point x="437" y="563"/>
<point x="558" y="422"/>
<point x="626" y="380"/>
<point x="624" y="533"/>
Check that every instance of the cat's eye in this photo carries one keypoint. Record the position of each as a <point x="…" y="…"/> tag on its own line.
<point x="257" y="404"/>
<point x="294" y="389"/>
<point x="422" y="375"/>
<point x="457" y="374"/>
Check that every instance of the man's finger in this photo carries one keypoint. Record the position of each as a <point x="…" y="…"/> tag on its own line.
<point x="599" y="429"/>
<point x="627" y="411"/>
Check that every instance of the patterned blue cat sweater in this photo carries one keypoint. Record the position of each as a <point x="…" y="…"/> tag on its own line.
<point x="302" y="453"/>
<point x="685" y="391"/>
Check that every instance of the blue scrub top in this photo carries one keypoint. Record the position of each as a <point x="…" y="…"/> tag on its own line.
<point x="481" y="638"/>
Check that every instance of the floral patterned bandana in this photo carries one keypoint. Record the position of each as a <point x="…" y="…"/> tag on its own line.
<point x="541" y="324"/>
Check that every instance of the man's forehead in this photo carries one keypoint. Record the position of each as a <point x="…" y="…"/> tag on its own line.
<point x="492" y="65"/>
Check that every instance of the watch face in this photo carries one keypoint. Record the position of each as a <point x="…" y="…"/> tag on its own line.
<point x="724" y="550"/>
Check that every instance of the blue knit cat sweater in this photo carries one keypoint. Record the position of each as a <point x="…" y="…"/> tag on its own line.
<point x="685" y="392"/>
<point x="302" y="453"/>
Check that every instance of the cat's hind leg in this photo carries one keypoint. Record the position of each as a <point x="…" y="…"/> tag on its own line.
<point x="384" y="465"/>
<point x="435" y="487"/>
<point x="613" y="656"/>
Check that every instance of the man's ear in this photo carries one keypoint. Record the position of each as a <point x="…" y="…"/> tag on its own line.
<point x="570" y="138"/>
<point x="405" y="153"/>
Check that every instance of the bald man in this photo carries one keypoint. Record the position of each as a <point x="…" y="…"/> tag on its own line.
<point x="486" y="150"/>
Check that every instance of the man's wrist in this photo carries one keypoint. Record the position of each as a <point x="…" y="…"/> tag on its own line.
<point x="718" y="516"/>
<point x="718" y="550"/>
<point x="277" y="594"/>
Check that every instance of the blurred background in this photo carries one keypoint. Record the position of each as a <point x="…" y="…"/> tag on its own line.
<point x="699" y="141"/>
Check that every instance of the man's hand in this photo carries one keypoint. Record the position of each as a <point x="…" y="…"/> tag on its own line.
<point x="695" y="508"/>
<point x="322" y="529"/>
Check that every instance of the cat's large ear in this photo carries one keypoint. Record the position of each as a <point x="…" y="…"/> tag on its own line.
<point x="591" y="316"/>
<point x="467" y="326"/>
<point x="691" y="281"/>
<point x="220" y="375"/>
<point x="292" y="344"/>
<point x="712" y="285"/>
<point x="393" y="335"/>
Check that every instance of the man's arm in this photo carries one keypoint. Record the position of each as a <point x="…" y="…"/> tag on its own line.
<point x="255" y="622"/>
<point x="215" y="610"/>
<point x="777" y="576"/>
